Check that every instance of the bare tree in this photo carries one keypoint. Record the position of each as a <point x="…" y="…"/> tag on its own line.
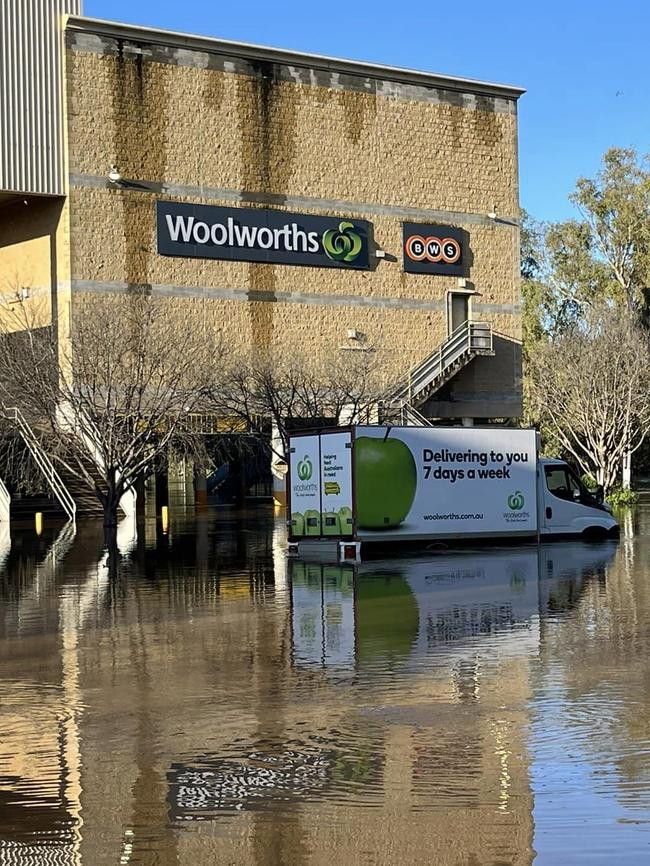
<point x="110" y="401"/>
<point x="589" y="388"/>
<point x="282" y="393"/>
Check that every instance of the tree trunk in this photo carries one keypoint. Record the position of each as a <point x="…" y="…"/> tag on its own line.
<point x="111" y="504"/>
<point x="627" y="470"/>
<point x="110" y="541"/>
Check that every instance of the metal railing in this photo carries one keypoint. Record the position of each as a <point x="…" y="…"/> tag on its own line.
<point x="42" y="460"/>
<point x="401" y="413"/>
<point x="468" y="338"/>
<point x="211" y="424"/>
<point x="410" y="417"/>
<point x="5" y="501"/>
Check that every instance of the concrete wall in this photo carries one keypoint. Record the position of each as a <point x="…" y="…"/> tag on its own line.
<point x="34" y="255"/>
<point x="196" y="122"/>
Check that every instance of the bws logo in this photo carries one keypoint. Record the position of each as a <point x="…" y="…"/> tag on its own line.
<point x="516" y="501"/>
<point x="305" y="469"/>
<point x="343" y="245"/>
<point x="432" y="249"/>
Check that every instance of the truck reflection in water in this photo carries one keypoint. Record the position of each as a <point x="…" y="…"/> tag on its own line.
<point x="346" y="615"/>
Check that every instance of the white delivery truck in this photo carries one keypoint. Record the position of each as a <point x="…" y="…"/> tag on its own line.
<point x="373" y="484"/>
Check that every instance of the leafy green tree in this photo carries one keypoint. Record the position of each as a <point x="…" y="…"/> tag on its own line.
<point x="605" y="255"/>
<point x="576" y="269"/>
<point x="533" y="290"/>
<point x="549" y="309"/>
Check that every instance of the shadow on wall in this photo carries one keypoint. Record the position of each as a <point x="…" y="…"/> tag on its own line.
<point x="28" y="247"/>
<point x="488" y="387"/>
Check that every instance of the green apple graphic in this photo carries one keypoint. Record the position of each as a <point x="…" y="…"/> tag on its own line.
<point x="345" y="519"/>
<point x="331" y="524"/>
<point x="297" y="523"/>
<point x="297" y="570"/>
<point x="387" y="616"/>
<point x="385" y="479"/>
<point x="312" y="522"/>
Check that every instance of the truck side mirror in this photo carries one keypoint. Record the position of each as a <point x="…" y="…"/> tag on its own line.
<point x="576" y="495"/>
<point x="599" y="493"/>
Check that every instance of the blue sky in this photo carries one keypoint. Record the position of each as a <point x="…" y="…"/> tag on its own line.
<point x="583" y="62"/>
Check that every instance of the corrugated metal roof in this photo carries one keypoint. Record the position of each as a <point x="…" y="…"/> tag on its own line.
<point x="32" y="158"/>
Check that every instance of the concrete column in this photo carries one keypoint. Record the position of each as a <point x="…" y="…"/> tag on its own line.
<point x="140" y="496"/>
<point x="237" y="469"/>
<point x="200" y="489"/>
<point x="278" y="467"/>
<point x="162" y="488"/>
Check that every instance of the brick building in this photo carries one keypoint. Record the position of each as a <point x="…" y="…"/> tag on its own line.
<point x="109" y="123"/>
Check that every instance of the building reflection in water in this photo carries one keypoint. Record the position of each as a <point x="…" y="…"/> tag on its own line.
<point x="208" y="701"/>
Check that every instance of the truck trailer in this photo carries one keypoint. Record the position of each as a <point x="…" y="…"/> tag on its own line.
<point x="373" y="485"/>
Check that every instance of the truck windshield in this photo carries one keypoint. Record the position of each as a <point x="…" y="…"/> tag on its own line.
<point x="562" y="483"/>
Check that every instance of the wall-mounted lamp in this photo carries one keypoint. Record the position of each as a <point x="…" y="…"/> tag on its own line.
<point x="353" y="334"/>
<point x="114" y="174"/>
<point x="493" y="213"/>
<point x="380" y="254"/>
<point x="20" y="295"/>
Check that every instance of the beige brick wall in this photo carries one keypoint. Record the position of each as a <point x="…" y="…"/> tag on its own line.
<point x="165" y="120"/>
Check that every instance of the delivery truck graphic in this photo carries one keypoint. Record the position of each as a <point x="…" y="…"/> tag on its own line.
<point x="378" y="484"/>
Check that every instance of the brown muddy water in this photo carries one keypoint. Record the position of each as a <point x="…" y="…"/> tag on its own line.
<point x="209" y="702"/>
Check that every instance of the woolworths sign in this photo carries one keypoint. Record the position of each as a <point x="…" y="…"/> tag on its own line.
<point x="252" y="235"/>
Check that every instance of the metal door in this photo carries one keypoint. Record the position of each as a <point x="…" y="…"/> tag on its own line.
<point x="458" y="310"/>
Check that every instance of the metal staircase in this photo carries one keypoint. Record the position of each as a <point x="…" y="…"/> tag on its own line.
<point x="467" y="342"/>
<point x="42" y="460"/>
<point x="402" y="414"/>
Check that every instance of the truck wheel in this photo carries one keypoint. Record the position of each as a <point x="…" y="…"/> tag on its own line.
<point x="594" y="533"/>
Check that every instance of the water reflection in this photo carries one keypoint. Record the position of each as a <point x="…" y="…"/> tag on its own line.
<point x="208" y="701"/>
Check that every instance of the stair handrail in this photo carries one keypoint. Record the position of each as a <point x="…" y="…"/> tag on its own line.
<point x="400" y="412"/>
<point x="5" y="501"/>
<point x="468" y="336"/>
<point x="43" y="461"/>
<point x="88" y="435"/>
<point x="410" y="415"/>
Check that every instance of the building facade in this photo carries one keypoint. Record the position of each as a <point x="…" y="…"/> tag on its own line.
<point x="164" y="152"/>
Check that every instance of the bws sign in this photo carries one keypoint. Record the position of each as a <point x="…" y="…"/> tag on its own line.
<point x="433" y="249"/>
<point x="252" y="235"/>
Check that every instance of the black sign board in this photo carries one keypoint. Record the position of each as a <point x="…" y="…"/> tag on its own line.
<point x="431" y="249"/>
<point x="261" y="235"/>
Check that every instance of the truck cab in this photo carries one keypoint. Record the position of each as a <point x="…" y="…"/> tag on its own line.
<point x="565" y="505"/>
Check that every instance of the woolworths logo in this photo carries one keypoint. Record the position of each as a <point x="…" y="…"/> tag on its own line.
<point x="261" y="235"/>
<point x="343" y="245"/>
<point x="516" y="501"/>
<point x="305" y="469"/>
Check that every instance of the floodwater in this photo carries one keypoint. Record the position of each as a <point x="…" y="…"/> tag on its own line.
<point x="206" y="701"/>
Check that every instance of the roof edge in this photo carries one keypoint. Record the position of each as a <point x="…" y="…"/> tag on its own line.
<point x="250" y="51"/>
